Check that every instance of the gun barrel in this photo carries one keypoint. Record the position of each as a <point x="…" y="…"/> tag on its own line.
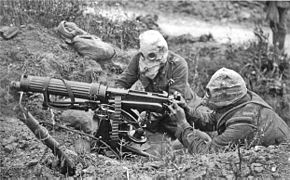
<point x="54" y="86"/>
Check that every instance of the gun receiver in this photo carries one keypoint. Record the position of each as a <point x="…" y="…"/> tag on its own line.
<point x="93" y="91"/>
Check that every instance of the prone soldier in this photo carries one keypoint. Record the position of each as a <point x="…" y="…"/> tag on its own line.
<point x="240" y="117"/>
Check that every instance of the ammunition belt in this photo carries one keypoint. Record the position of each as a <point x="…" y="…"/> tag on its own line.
<point x="116" y="119"/>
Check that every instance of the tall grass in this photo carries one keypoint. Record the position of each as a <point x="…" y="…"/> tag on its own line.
<point x="46" y="12"/>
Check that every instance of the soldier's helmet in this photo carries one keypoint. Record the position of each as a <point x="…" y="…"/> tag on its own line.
<point x="225" y="88"/>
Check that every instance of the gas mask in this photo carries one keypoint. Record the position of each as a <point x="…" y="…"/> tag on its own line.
<point x="206" y="100"/>
<point x="154" y="53"/>
<point x="225" y="88"/>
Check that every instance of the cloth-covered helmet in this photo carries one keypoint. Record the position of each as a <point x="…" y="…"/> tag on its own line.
<point x="225" y="87"/>
<point x="154" y="50"/>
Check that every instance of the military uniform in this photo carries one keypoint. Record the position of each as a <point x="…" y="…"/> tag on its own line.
<point x="277" y="15"/>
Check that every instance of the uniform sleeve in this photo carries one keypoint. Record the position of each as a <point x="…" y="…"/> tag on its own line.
<point x="203" y="117"/>
<point x="195" y="140"/>
<point x="236" y="128"/>
<point x="179" y="77"/>
<point x="130" y="75"/>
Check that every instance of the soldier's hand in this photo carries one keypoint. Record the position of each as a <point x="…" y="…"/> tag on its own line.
<point x="177" y="113"/>
<point x="204" y="136"/>
<point x="165" y="93"/>
<point x="181" y="101"/>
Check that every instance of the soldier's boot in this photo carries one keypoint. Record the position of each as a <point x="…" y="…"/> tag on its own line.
<point x="275" y="37"/>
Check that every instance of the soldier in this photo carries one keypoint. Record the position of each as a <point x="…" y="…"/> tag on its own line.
<point x="240" y="117"/>
<point x="159" y="70"/>
<point x="277" y="15"/>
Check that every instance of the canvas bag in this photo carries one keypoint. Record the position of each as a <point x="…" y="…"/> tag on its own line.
<point x="93" y="47"/>
<point x="68" y="30"/>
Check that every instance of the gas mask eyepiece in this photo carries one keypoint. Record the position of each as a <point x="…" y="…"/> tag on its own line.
<point x="152" y="56"/>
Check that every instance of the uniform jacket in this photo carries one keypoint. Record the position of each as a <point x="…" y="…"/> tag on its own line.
<point x="250" y="121"/>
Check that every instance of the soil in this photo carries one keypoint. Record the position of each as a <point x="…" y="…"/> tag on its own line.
<point x="37" y="50"/>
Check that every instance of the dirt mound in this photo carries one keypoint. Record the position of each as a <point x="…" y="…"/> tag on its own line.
<point x="32" y="51"/>
<point x="22" y="155"/>
<point x="39" y="51"/>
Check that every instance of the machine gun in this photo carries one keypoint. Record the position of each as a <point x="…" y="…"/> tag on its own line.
<point x="112" y="106"/>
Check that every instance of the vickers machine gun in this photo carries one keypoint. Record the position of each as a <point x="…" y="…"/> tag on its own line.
<point x="112" y="107"/>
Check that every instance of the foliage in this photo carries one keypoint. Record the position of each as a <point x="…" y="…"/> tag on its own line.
<point x="124" y="34"/>
<point x="267" y="73"/>
<point x="266" y="70"/>
<point x="48" y="12"/>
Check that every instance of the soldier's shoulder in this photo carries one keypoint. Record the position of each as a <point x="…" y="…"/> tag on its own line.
<point x="249" y="110"/>
<point x="135" y="58"/>
<point x="136" y="55"/>
<point x="176" y="59"/>
<point x="245" y="115"/>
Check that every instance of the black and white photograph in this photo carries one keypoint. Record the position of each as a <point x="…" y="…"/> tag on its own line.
<point x="144" y="89"/>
